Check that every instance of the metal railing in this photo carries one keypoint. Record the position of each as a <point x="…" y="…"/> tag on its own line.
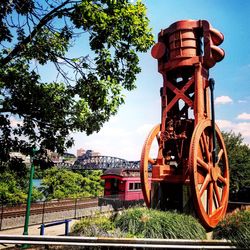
<point x="43" y="208"/>
<point x="75" y="206"/>
<point x="116" y="243"/>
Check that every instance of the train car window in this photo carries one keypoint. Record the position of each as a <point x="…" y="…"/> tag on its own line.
<point x="134" y="186"/>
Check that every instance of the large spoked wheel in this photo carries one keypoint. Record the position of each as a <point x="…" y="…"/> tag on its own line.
<point x="146" y="160"/>
<point x="210" y="183"/>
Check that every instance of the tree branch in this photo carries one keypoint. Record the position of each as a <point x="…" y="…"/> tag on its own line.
<point x="20" y="46"/>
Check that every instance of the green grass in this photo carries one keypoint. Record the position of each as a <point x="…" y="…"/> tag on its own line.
<point x="93" y="227"/>
<point x="148" y="223"/>
<point x="142" y="223"/>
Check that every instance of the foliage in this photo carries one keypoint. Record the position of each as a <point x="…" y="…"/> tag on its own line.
<point x="37" y="195"/>
<point x="93" y="227"/>
<point x="239" y="161"/>
<point x="14" y="182"/>
<point x="142" y="223"/>
<point x="10" y="190"/>
<point x="62" y="183"/>
<point x="39" y="173"/>
<point x="146" y="223"/>
<point x="92" y="182"/>
<point x="56" y="184"/>
<point x="17" y="169"/>
<point x="235" y="227"/>
<point x="86" y="89"/>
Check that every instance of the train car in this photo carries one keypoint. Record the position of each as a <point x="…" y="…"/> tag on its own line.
<point x="122" y="187"/>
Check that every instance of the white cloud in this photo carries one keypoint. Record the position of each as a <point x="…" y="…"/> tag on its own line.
<point x="115" y="141"/>
<point x="223" y="100"/>
<point x="224" y="124"/>
<point x="243" y="116"/>
<point x="113" y="132"/>
<point x="241" y="127"/>
<point x="144" y="129"/>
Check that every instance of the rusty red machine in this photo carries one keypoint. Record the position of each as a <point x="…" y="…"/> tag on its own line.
<point x="190" y="161"/>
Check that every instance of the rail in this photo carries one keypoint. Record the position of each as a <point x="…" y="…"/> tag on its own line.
<point x="7" y="211"/>
<point x="116" y="242"/>
<point x="12" y="216"/>
<point x="48" y="206"/>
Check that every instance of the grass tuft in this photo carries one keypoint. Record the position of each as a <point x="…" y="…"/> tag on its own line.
<point x="147" y="223"/>
<point x="235" y="227"/>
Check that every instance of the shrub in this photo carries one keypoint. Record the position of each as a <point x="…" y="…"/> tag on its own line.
<point x="235" y="227"/>
<point x="96" y="227"/>
<point x="146" y="223"/>
<point x="92" y="226"/>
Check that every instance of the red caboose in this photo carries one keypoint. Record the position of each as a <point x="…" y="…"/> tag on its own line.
<point x="122" y="187"/>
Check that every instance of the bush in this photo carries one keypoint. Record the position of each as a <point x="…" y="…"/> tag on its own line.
<point x="146" y="223"/>
<point x="93" y="227"/>
<point x="63" y="183"/>
<point x="235" y="227"/>
<point x="10" y="190"/>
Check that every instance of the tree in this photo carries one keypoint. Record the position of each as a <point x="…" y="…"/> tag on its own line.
<point x="13" y="190"/>
<point x="10" y="190"/>
<point x="239" y="161"/>
<point x="87" y="88"/>
<point x="92" y="182"/>
<point x="62" y="183"/>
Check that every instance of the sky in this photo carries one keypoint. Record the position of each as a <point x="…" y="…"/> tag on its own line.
<point x="124" y="135"/>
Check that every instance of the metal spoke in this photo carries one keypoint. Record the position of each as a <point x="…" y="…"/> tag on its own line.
<point x="222" y="179"/>
<point x="217" y="193"/>
<point x="204" y="185"/>
<point x="211" y="143"/>
<point x="202" y="164"/>
<point x="210" y="198"/>
<point x="219" y="156"/>
<point x="204" y="139"/>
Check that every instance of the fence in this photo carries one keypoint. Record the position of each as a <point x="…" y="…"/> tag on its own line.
<point x="119" y="201"/>
<point x="12" y="216"/>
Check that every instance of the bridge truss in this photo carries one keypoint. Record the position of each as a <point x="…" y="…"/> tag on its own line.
<point x="100" y="162"/>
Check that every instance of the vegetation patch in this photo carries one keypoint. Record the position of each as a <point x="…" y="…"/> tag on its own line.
<point x="235" y="227"/>
<point x="63" y="183"/>
<point x="149" y="223"/>
<point x="96" y="227"/>
<point x="143" y="223"/>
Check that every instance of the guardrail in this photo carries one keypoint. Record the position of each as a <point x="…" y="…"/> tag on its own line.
<point x="116" y="242"/>
<point x="55" y="223"/>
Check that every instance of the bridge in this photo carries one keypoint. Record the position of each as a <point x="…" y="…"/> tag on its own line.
<point x="100" y="162"/>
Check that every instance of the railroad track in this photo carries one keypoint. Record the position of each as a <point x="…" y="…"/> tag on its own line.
<point x="48" y="207"/>
<point x="71" y="204"/>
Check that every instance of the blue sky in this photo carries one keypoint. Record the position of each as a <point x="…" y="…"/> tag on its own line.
<point x="125" y="134"/>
